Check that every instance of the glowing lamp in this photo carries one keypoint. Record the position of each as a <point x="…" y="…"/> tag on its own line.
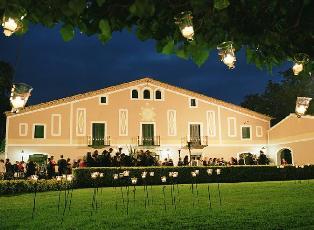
<point x="197" y="172"/>
<point x="33" y="177"/>
<point x="94" y="175"/>
<point x="218" y="171"/>
<point x="69" y="177"/>
<point x="20" y="93"/>
<point x="163" y="179"/>
<point x="144" y="174"/>
<point x="11" y="25"/>
<point x="126" y="173"/>
<point x="302" y="105"/>
<point x="170" y="174"/>
<point x="115" y="176"/>
<point x="226" y="53"/>
<point x="59" y="178"/>
<point x="209" y="172"/>
<point x="193" y="174"/>
<point x="134" y="180"/>
<point x="151" y="174"/>
<point x="175" y="174"/>
<point x="101" y="175"/>
<point x="300" y="60"/>
<point x="184" y="21"/>
<point x="302" y="166"/>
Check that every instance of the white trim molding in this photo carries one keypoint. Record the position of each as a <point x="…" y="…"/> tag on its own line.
<point x="249" y="126"/>
<point x="259" y="131"/>
<point x="232" y="126"/>
<point x="172" y="122"/>
<point x="107" y="99"/>
<point x="45" y="130"/>
<point x="211" y="123"/>
<point x="80" y="122"/>
<point x="23" y="134"/>
<point x="123" y="122"/>
<point x="58" y="133"/>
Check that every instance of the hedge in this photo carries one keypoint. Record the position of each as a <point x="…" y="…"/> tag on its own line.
<point x="228" y="174"/>
<point x="23" y="186"/>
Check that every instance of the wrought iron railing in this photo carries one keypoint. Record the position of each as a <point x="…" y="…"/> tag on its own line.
<point x="148" y="141"/>
<point x="98" y="142"/>
<point x="195" y="142"/>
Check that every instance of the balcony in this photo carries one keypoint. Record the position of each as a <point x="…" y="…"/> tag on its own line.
<point x="148" y="141"/>
<point x="197" y="143"/>
<point x="98" y="143"/>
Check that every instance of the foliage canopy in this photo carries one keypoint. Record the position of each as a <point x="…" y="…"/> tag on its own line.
<point x="270" y="31"/>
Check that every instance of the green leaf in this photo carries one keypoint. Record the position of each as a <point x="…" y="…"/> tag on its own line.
<point x="100" y="2"/>
<point x="142" y="8"/>
<point x="221" y="4"/>
<point x="77" y="6"/>
<point x="181" y="53"/>
<point x="105" y="30"/>
<point x="168" y="48"/>
<point x="67" y="32"/>
<point x="199" y="55"/>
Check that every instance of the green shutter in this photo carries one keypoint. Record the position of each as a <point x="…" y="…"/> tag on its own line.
<point x="39" y="131"/>
<point x="246" y="134"/>
<point x="98" y="134"/>
<point x="148" y="134"/>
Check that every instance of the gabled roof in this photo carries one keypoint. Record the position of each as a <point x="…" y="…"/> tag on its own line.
<point x="137" y="82"/>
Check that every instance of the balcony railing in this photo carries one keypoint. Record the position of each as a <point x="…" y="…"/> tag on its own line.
<point x="148" y="141"/>
<point x="196" y="142"/>
<point x="98" y="142"/>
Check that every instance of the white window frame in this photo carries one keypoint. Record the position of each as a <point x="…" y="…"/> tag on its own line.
<point x="52" y="125"/>
<point x="195" y="123"/>
<point x="162" y="94"/>
<point x="249" y="126"/>
<point x="150" y="92"/>
<point x="196" y="102"/>
<point x="107" y="99"/>
<point x="127" y="127"/>
<point x="138" y="94"/>
<point x="25" y="129"/>
<point x="259" y="131"/>
<point x="214" y="123"/>
<point x="45" y="130"/>
<point x="76" y="123"/>
<point x="230" y="119"/>
<point x="175" y="125"/>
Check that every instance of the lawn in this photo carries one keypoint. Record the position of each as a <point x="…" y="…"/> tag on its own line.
<point x="259" y="205"/>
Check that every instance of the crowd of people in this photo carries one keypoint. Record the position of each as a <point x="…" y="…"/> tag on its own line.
<point x="107" y="158"/>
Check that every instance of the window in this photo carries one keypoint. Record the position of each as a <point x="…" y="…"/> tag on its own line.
<point x="39" y="131"/>
<point x="103" y="100"/>
<point x="246" y="132"/>
<point x="193" y="102"/>
<point x="134" y="94"/>
<point x="232" y="130"/>
<point x="158" y="94"/>
<point x="146" y="94"/>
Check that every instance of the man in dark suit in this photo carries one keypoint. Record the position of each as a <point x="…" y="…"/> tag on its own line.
<point x="62" y="166"/>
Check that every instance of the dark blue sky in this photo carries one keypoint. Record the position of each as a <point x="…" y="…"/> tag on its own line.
<point x="57" y="69"/>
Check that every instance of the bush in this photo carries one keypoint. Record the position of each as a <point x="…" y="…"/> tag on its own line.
<point x="228" y="174"/>
<point x="22" y="186"/>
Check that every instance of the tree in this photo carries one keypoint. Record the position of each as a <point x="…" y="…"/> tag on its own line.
<point x="6" y="76"/>
<point x="270" y="31"/>
<point x="279" y="99"/>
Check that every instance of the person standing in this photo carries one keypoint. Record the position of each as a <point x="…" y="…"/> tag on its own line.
<point x="62" y="166"/>
<point x="51" y="167"/>
<point x="8" y="169"/>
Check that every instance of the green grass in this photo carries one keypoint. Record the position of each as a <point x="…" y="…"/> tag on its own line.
<point x="263" y="205"/>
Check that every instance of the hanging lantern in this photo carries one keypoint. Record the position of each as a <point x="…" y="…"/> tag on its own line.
<point x="299" y="61"/>
<point x="302" y="105"/>
<point x="226" y="53"/>
<point x="184" y="21"/>
<point x="20" y="93"/>
<point x="12" y="23"/>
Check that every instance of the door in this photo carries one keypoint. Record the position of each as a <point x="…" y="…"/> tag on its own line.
<point x="98" y="134"/>
<point x="195" y="134"/>
<point x="148" y="134"/>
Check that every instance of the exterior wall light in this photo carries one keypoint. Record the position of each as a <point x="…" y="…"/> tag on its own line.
<point x="226" y="53"/>
<point x="300" y="60"/>
<point x="20" y="93"/>
<point x="302" y="105"/>
<point x="184" y="21"/>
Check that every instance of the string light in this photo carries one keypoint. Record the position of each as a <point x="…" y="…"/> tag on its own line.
<point x="302" y="105"/>
<point x="184" y="21"/>
<point x="300" y="60"/>
<point x="226" y="53"/>
<point x="20" y="93"/>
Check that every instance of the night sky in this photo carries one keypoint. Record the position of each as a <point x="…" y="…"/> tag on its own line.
<point x="57" y="69"/>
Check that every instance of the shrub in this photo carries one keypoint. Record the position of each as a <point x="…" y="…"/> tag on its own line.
<point x="228" y="174"/>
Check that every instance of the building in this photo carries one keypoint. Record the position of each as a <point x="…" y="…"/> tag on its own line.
<point x="141" y="114"/>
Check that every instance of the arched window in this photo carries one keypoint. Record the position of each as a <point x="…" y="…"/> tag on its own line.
<point x="134" y="93"/>
<point x="146" y="94"/>
<point x="158" y="94"/>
